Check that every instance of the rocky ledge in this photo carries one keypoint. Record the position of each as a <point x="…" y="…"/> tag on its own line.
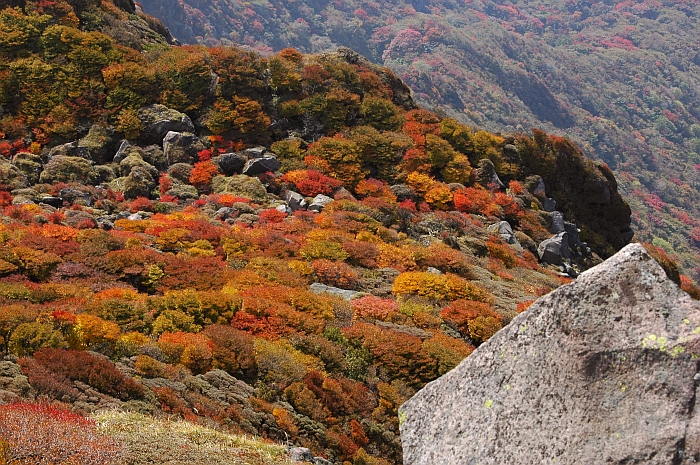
<point x="603" y="370"/>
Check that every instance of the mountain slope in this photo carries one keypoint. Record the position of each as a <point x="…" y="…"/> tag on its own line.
<point x="619" y="78"/>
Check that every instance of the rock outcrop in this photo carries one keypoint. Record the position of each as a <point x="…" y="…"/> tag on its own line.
<point x="603" y="370"/>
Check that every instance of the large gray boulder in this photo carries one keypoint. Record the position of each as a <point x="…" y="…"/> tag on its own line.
<point x="601" y="371"/>
<point x="555" y="250"/>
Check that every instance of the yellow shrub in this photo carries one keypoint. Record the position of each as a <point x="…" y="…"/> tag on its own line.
<point x="438" y="287"/>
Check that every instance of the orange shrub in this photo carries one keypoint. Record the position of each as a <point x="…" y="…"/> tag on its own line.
<point x="497" y="249"/>
<point x="336" y="274"/>
<point x="477" y="320"/>
<point x="202" y="174"/>
<point x="372" y="307"/>
<point x="471" y="200"/>
<point x="438" y="287"/>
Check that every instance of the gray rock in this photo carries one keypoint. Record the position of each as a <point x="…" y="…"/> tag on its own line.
<point x="231" y="163"/>
<point x="71" y="149"/>
<point x="505" y="230"/>
<point x="319" y="202"/>
<point x="300" y="454"/>
<point x="295" y="200"/>
<point x="402" y="192"/>
<point x="284" y="208"/>
<point x="261" y="165"/>
<point x="254" y="152"/>
<point x="318" y="288"/>
<point x="554" y="250"/>
<point x="122" y="151"/>
<point x="600" y="371"/>
<point x="158" y="120"/>
<point x="55" y="202"/>
<point x="433" y="270"/>
<point x="486" y="174"/>
<point x="539" y="190"/>
<point x="558" y="225"/>
<point x="180" y="147"/>
<point x="549" y="204"/>
<point x="100" y="143"/>
<point x="321" y="461"/>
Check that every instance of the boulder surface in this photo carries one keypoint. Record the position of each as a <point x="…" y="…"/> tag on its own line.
<point x="600" y="371"/>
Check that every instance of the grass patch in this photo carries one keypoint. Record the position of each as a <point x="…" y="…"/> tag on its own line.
<point x="148" y="440"/>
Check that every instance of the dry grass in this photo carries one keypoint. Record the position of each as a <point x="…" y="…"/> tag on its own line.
<point x="151" y="441"/>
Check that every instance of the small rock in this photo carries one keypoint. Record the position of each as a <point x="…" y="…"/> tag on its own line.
<point x="505" y="230"/>
<point x="433" y="270"/>
<point x="283" y="208"/>
<point x="300" y="454"/>
<point x="402" y="192"/>
<point x="557" y="223"/>
<point x="158" y="120"/>
<point x="180" y="147"/>
<point x="554" y="250"/>
<point x="55" y="202"/>
<point x="231" y="163"/>
<point x="318" y="288"/>
<point x="539" y="190"/>
<point x="122" y="152"/>
<point x="261" y="165"/>
<point x="71" y="149"/>
<point x="295" y="200"/>
<point x="549" y="204"/>
<point x="255" y="152"/>
<point x="319" y="202"/>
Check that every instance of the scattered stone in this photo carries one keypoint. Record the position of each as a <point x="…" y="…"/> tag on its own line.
<point x="549" y="204"/>
<point x="244" y="186"/>
<point x="284" y="208"/>
<point x="486" y="174"/>
<point x="402" y="192"/>
<point x="181" y="147"/>
<point x="79" y="218"/>
<point x="295" y="200"/>
<point x="30" y="165"/>
<point x="254" y="152"/>
<point x="539" y="189"/>
<point x="505" y="230"/>
<point x="74" y="196"/>
<point x="343" y="194"/>
<point x="433" y="270"/>
<point x="300" y="454"/>
<point x="554" y="250"/>
<point x="67" y="169"/>
<point x="319" y="203"/>
<point x="242" y="207"/>
<point x="71" y="149"/>
<point x="346" y="294"/>
<point x="261" y="165"/>
<point x="557" y="223"/>
<point x="122" y="151"/>
<point x="231" y="163"/>
<point x="180" y="172"/>
<point x="158" y="120"/>
<point x="602" y="370"/>
<point x="100" y="143"/>
<point x="55" y="202"/>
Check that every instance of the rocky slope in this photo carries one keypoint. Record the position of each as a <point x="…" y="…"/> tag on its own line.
<point x="602" y="370"/>
<point x="619" y="78"/>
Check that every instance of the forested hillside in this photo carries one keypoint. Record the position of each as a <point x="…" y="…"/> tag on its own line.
<point x="284" y="246"/>
<point x="618" y="78"/>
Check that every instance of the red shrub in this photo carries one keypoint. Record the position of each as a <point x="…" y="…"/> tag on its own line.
<point x="94" y="370"/>
<point x="271" y="215"/>
<point x="141" y="204"/>
<point x="52" y="436"/>
<point x="474" y="319"/>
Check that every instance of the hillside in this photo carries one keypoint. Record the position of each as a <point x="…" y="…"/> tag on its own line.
<point x="282" y="246"/>
<point x="618" y="78"/>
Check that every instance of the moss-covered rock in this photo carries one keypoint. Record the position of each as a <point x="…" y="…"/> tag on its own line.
<point x="242" y="185"/>
<point x="29" y="164"/>
<point x="139" y="183"/>
<point x="180" y="172"/>
<point x="101" y="143"/>
<point x="158" y="120"/>
<point x="68" y="169"/>
<point x="105" y="173"/>
<point x="133" y="160"/>
<point x="181" y="147"/>
<point x="11" y="176"/>
<point x="183" y="191"/>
